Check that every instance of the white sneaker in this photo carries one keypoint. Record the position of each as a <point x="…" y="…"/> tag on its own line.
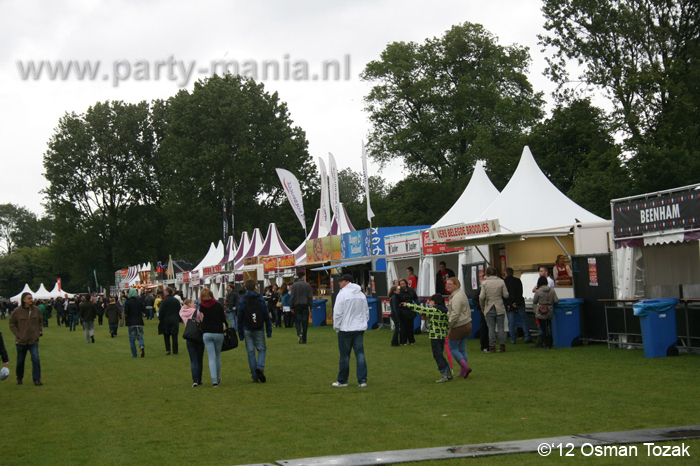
<point x="338" y="384"/>
<point x="362" y="385"/>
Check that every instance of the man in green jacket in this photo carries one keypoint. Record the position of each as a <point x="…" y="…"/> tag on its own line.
<point x="26" y="323"/>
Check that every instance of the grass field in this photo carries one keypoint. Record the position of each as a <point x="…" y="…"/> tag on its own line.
<point x="99" y="406"/>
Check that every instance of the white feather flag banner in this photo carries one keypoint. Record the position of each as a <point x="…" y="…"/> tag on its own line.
<point x="335" y="195"/>
<point x="370" y="214"/>
<point x="325" y="217"/>
<point x="293" y="190"/>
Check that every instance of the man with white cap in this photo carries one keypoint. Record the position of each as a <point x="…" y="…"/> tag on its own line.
<point x="350" y="316"/>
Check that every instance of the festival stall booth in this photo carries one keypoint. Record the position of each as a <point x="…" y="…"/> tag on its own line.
<point x="476" y="197"/>
<point x="276" y="258"/>
<point x="193" y="281"/>
<point x="526" y="227"/>
<point x="225" y="274"/>
<point x="56" y="292"/>
<point x="657" y="255"/>
<point x="247" y="266"/>
<point x="42" y="293"/>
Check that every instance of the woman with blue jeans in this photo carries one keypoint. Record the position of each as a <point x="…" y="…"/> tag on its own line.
<point x="213" y="323"/>
<point x="460" y="324"/>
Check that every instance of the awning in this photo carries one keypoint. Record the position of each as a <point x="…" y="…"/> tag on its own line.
<point x="343" y="264"/>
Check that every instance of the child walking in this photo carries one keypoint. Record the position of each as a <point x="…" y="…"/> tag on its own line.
<point x="437" y="332"/>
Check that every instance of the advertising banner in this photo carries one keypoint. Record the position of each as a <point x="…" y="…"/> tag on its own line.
<point x="429" y="247"/>
<point x="680" y="209"/>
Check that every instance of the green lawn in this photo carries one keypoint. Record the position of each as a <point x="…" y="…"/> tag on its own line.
<point x="99" y="406"/>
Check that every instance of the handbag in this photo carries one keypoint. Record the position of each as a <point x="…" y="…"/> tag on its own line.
<point x="230" y="339"/>
<point x="279" y="304"/>
<point x="193" y="331"/>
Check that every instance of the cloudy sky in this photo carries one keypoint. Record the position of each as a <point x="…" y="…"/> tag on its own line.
<point x="127" y="39"/>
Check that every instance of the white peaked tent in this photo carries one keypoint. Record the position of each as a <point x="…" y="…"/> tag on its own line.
<point x="531" y="203"/>
<point x="243" y="246"/>
<point x="343" y="225"/>
<point x="229" y="252"/>
<point x="42" y="293"/>
<point x="317" y="231"/>
<point x="476" y="197"/>
<point x="55" y="293"/>
<point x="17" y="297"/>
<point x="254" y="247"/>
<point x="212" y="257"/>
<point x="273" y="245"/>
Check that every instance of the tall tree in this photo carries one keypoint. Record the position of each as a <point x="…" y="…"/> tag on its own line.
<point x="21" y="228"/>
<point x="441" y="105"/>
<point x="227" y="135"/>
<point x="576" y="149"/>
<point x="645" y="56"/>
<point x="102" y="189"/>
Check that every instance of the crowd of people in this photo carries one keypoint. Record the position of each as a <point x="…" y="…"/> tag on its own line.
<point x="254" y="314"/>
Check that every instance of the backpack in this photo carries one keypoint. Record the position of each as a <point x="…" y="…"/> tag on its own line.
<point x="543" y="309"/>
<point x="254" y="318"/>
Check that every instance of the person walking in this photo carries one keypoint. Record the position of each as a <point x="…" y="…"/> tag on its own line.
<point x="253" y="314"/>
<point x="350" y="316"/>
<point x="26" y="323"/>
<point x="132" y="317"/>
<point x="302" y="300"/>
<point x="73" y="311"/>
<point x="493" y="292"/>
<point x="113" y="315"/>
<point x="194" y="348"/>
<point x="87" y="314"/>
<point x="169" y="320"/>
<point x="460" y="324"/>
<point x="231" y="299"/>
<point x="213" y="323"/>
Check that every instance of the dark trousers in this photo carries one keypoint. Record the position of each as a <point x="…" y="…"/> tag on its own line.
<point x="484" y="332"/>
<point x="438" y="347"/>
<point x="196" y="351"/>
<point x="407" y="330"/>
<point x="278" y="316"/>
<point x="546" y="327"/>
<point x="167" y="342"/>
<point x="288" y="320"/>
<point x="397" y="331"/>
<point x="33" y="350"/>
<point x="301" y="320"/>
<point x="113" y="328"/>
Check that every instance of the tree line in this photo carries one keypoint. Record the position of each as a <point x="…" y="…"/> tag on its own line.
<point x="133" y="183"/>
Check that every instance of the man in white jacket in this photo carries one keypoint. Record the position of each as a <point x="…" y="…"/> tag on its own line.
<point x="350" y="316"/>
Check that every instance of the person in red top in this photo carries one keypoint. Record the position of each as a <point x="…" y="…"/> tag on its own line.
<point x="412" y="279"/>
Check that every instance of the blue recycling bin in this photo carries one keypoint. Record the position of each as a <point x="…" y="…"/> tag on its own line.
<point x="658" y="321"/>
<point x="373" y="321"/>
<point x="566" y="323"/>
<point x="318" y="313"/>
<point x="476" y="319"/>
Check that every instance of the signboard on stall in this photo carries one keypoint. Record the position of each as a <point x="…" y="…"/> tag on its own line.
<point x="269" y="263"/>
<point x="592" y="272"/>
<point x="250" y="261"/>
<point x="286" y="261"/>
<point x="403" y="244"/>
<point x="194" y="278"/>
<point x="211" y="270"/>
<point x="680" y="209"/>
<point x="185" y="277"/>
<point x="323" y="249"/>
<point x="464" y="230"/>
<point x="430" y="247"/>
<point x="355" y="244"/>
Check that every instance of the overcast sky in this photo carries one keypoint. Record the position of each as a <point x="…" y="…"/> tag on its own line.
<point x="124" y="36"/>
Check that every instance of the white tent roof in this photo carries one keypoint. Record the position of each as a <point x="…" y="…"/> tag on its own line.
<point x="243" y="246"/>
<point x="26" y="289"/>
<point x="274" y="246"/>
<point x="42" y="293"/>
<point x="477" y="196"/>
<point x="55" y="293"/>
<point x="212" y="257"/>
<point x="230" y="251"/>
<point x="345" y="224"/>
<point x="531" y="203"/>
<point x="253" y="248"/>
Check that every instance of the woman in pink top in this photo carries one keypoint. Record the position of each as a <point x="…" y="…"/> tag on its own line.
<point x="195" y="349"/>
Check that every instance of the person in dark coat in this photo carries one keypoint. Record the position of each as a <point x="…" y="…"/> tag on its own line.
<point x="133" y="318"/>
<point x="88" y="311"/>
<point x="406" y="315"/>
<point x="394" y="302"/>
<point x="169" y="317"/>
<point x="113" y="314"/>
